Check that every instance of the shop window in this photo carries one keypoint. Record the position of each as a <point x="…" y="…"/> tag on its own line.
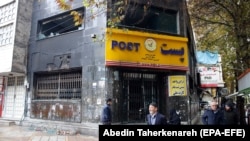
<point x="60" y="24"/>
<point x="65" y="85"/>
<point x="152" y="19"/>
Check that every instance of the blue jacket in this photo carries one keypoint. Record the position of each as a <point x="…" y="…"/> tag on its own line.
<point x="211" y="117"/>
<point x="106" y="117"/>
<point x="160" y="119"/>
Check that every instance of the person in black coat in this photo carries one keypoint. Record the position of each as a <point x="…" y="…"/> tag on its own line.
<point x="154" y="117"/>
<point x="230" y="115"/>
<point x="106" y="117"/>
<point x="174" y="118"/>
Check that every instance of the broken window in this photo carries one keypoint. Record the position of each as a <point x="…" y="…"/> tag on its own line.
<point x="59" y="24"/>
<point x="150" y="18"/>
<point x="64" y="85"/>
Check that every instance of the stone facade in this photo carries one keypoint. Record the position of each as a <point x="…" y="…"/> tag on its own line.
<point x="15" y="26"/>
<point x="18" y="22"/>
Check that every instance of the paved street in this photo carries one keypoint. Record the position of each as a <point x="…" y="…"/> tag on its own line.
<point x="21" y="133"/>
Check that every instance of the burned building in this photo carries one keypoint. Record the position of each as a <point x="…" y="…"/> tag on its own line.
<point x="145" y="56"/>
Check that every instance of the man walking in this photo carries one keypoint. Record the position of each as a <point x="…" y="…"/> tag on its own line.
<point x="106" y="117"/>
<point x="154" y="117"/>
<point x="212" y="116"/>
<point x="230" y="115"/>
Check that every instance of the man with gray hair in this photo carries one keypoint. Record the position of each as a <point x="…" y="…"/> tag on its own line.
<point x="212" y="115"/>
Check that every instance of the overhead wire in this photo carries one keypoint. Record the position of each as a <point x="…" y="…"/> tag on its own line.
<point x="57" y="25"/>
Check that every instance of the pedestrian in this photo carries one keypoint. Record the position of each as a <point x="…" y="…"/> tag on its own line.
<point x="248" y="115"/>
<point x="154" y="117"/>
<point x="223" y="102"/>
<point x="230" y="115"/>
<point x="213" y="115"/>
<point x="174" y="118"/>
<point x="106" y="117"/>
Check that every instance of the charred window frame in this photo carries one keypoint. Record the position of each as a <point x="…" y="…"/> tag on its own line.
<point x="59" y="24"/>
<point x="153" y="19"/>
<point x="58" y="85"/>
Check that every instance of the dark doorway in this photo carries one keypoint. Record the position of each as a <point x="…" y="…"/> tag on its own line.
<point x="139" y="90"/>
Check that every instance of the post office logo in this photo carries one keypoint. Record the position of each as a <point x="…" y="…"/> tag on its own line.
<point x="150" y="44"/>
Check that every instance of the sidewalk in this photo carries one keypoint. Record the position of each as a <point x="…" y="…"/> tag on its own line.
<point x="21" y="133"/>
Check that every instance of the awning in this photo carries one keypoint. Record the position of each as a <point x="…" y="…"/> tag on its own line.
<point x="240" y="93"/>
<point x="245" y="91"/>
<point x="231" y="95"/>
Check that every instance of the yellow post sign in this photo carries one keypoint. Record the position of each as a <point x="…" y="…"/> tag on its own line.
<point x="146" y="50"/>
<point x="177" y="85"/>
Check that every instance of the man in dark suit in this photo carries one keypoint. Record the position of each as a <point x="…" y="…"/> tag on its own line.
<point x="154" y="117"/>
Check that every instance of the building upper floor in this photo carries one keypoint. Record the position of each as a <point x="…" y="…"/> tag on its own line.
<point x="160" y="17"/>
<point x="15" y="25"/>
<point x="55" y="33"/>
<point x="8" y="10"/>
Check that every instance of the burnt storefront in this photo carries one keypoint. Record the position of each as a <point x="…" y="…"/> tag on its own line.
<point x="52" y="94"/>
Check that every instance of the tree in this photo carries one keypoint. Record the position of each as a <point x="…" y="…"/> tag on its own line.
<point x="116" y="11"/>
<point x="224" y="26"/>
